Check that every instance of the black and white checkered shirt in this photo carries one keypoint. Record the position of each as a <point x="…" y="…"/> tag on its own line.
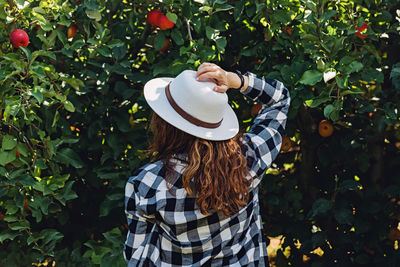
<point x="169" y="230"/>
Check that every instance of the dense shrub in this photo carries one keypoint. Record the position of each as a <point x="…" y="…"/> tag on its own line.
<point x="74" y="121"/>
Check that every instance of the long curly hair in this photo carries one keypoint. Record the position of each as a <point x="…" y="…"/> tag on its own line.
<point x="216" y="172"/>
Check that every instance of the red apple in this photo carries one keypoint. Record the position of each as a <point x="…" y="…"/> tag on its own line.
<point x="359" y="31"/>
<point x="153" y="17"/>
<point x="164" y="23"/>
<point x="19" y="38"/>
<point x="287" y="29"/>
<point x="72" y="31"/>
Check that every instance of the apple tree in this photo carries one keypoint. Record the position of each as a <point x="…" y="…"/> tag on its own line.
<point x="74" y="123"/>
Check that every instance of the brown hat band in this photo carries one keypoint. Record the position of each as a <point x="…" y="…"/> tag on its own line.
<point x="186" y="115"/>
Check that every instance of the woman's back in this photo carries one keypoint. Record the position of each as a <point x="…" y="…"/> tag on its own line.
<point x="173" y="205"/>
<point x="179" y="234"/>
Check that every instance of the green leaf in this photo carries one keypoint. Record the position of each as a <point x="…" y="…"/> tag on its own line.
<point x="172" y="17"/>
<point x="3" y="14"/>
<point x="44" y="54"/>
<point x="349" y="185"/>
<point x="55" y="119"/>
<point x="186" y="10"/>
<point x="221" y="44"/>
<point x="3" y="172"/>
<point x="50" y="235"/>
<point x="395" y="75"/>
<point x="41" y="203"/>
<point x="16" y="173"/>
<point x="69" y="106"/>
<point x="211" y="33"/>
<point x="354" y="67"/>
<point x="68" y="156"/>
<point x="66" y="193"/>
<point x="5" y="235"/>
<point x="224" y="7"/>
<point x="328" y="14"/>
<point x="311" y="77"/>
<point x="37" y="94"/>
<point x="123" y="89"/>
<point x="313" y="103"/>
<point x="7" y="157"/>
<point x="114" y="236"/>
<point x="373" y="75"/>
<point x="328" y="110"/>
<point x="342" y="81"/>
<point x="351" y="92"/>
<point x="3" y="191"/>
<point x="73" y="82"/>
<point x="11" y="207"/>
<point x="237" y="12"/>
<point x="159" y="41"/>
<point x="27" y="52"/>
<point x="177" y="37"/>
<point x="310" y="5"/>
<point x="320" y="207"/>
<point x="93" y="14"/>
<point x="26" y="180"/>
<point x="344" y="216"/>
<point x="67" y="52"/>
<point x="9" y="142"/>
<point x="106" y="207"/>
<point x="119" y="52"/>
<point x="20" y="225"/>
<point x="104" y="51"/>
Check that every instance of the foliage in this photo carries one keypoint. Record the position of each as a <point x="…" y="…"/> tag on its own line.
<point x="74" y="121"/>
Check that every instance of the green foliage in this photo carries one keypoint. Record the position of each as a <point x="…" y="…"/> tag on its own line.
<point x="74" y="123"/>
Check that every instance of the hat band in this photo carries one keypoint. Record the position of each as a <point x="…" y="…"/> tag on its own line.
<point x="186" y="115"/>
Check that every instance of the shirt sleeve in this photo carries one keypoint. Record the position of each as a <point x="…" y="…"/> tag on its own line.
<point x="139" y="225"/>
<point x="264" y="138"/>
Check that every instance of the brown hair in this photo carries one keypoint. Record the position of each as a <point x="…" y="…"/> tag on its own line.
<point x="218" y="168"/>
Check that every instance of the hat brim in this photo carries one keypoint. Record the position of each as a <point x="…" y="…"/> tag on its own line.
<point x="154" y="93"/>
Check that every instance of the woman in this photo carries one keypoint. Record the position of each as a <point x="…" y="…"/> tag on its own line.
<point x="197" y="204"/>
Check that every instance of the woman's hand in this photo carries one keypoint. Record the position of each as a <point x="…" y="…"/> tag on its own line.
<point x="223" y="79"/>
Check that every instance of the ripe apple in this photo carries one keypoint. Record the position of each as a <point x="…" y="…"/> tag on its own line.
<point x="72" y="31"/>
<point x="19" y="38"/>
<point x="359" y="31"/>
<point x="325" y="128"/>
<point x="255" y="109"/>
<point x="287" y="29"/>
<point x="165" y="45"/>
<point x="286" y="144"/>
<point x="164" y="23"/>
<point x="153" y="17"/>
<point x="394" y="234"/>
<point x="26" y="205"/>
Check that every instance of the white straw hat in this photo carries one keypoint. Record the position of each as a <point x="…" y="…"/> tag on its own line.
<point x="192" y="106"/>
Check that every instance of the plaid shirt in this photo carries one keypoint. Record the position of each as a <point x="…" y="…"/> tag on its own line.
<point x="169" y="230"/>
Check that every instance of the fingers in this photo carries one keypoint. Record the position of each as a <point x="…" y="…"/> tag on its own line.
<point x="207" y="68"/>
<point x="209" y="75"/>
<point x="212" y="71"/>
<point x="221" y="88"/>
